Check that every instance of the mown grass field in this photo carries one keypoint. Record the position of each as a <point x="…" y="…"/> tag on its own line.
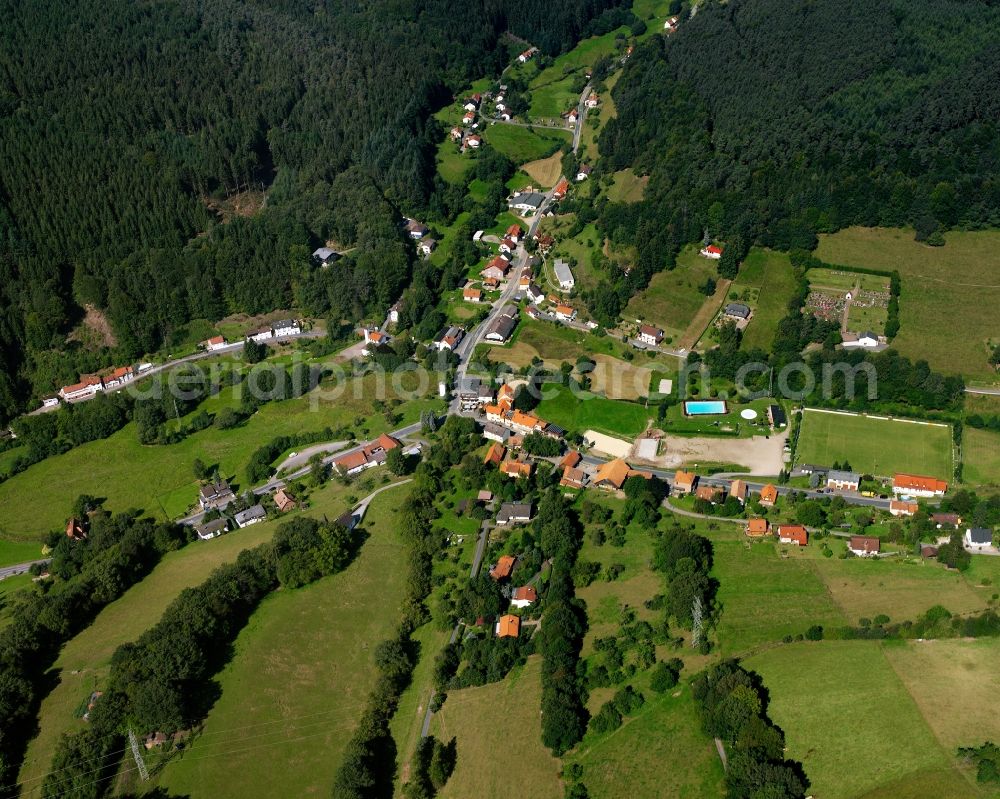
<point x="590" y="412"/>
<point x="521" y="144"/>
<point x="83" y="663"/>
<point x="299" y="678"/>
<point x="19" y="551"/>
<point x="597" y="118"/>
<point x="159" y="479"/>
<point x="627" y="187"/>
<point x="949" y="294"/>
<point x="659" y="752"/>
<point x="763" y="596"/>
<point x="545" y="172"/>
<point x="875" y="446"/>
<point x="769" y="277"/>
<point x="498" y="732"/>
<point x="451" y="163"/>
<point x="672" y="299"/>
<point x="855" y="726"/>
<point x="980" y="457"/>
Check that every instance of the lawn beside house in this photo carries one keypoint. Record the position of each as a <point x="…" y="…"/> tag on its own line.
<point x="673" y="299"/>
<point x="589" y="412"/>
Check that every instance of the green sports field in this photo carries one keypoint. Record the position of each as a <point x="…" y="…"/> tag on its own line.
<point x="875" y="446"/>
<point x="590" y="412"/>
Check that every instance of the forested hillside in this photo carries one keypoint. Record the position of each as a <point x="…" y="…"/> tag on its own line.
<point x="771" y="120"/>
<point x="119" y="120"/>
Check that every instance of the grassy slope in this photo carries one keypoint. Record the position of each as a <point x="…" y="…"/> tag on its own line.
<point x="851" y="721"/>
<point x="672" y="298"/>
<point x="304" y="666"/>
<point x="83" y="662"/>
<point x="627" y="187"/>
<point x="590" y="412"/>
<point x="875" y="446"/>
<point x="980" y="457"/>
<point x="158" y="479"/>
<point x="500" y="753"/>
<point x="768" y="274"/>
<point x="522" y="144"/>
<point x="763" y="596"/>
<point x="949" y="296"/>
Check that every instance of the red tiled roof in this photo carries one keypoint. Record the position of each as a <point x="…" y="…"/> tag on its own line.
<point x="916" y="482"/>
<point x="503" y="568"/>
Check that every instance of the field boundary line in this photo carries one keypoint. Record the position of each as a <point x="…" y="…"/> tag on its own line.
<point x="877" y="418"/>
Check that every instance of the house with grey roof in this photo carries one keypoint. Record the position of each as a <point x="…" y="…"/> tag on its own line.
<point x="526" y="202"/>
<point x="737" y="310"/>
<point x="564" y="275"/>
<point x="843" y="481"/>
<point x="212" y="529"/>
<point x="251" y="515"/>
<point x="514" y="513"/>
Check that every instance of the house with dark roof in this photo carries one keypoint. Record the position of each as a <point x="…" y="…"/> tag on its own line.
<point x="864" y="546"/>
<point x="212" y="529"/>
<point x="251" y="515"/>
<point x="514" y="513"/>
<point x="503" y="568"/>
<point x="737" y="310"/>
<point x="979" y="538"/>
<point x="839" y="480"/>
<point x="216" y="495"/>
<point x="776" y="416"/>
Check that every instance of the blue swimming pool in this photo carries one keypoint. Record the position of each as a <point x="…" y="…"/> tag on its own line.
<point x="705" y="407"/>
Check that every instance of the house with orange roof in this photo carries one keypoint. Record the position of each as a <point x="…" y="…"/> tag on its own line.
<point x="496" y="269"/>
<point x="565" y="312"/>
<point x="525" y="422"/>
<point x="915" y="485"/>
<point x="713" y="494"/>
<point x="898" y="507"/>
<point x="495" y="454"/>
<point x="283" y="500"/>
<point x="516" y="469"/>
<point x="612" y="475"/>
<point x="505" y="393"/>
<point x="472" y="294"/>
<point x="214" y="343"/>
<point x="570" y="460"/>
<point x="739" y="490"/>
<point x="573" y="478"/>
<point x="769" y="495"/>
<point x="794" y="534"/>
<point x="561" y="189"/>
<point x="712" y="252"/>
<point x="524" y="596"/>
<point x="503" y="568"/>
<point x="684" y="482"/>
<point x="352" y="463"/>
<point x="514" y="232"/>
<point x="89" y="384"/>
<point x="75" y="529"/>
<point x="757" y="527"/>
<point x="508" y="626"/>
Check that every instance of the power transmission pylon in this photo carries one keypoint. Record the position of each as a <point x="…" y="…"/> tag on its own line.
<point x="696" y="631"/>
<point x="139" y="763"/>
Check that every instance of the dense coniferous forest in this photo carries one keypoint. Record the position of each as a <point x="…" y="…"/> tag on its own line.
<point x="768" y="121"/>
<point x="120" y="121"/>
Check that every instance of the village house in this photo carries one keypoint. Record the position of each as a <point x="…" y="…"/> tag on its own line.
<point x="650" y="335"/>
<point x="251" y="515"/>
<point x="561" y="189"/>
<point x="119" y="377"/>
<point x="769" y="495"/>
<point x="737" y="311"/>
<point x="215" y="496"/>
<point x="287" y="327"/>
<point x="866" y="340"/>
<point x="503" y="568"/>
<point x="757" y="527"/>
<point x="864" y="546"/>
<point x="508" y="626"/>
<point x="495" y="454"/>
<point x="526" y="202"/>
<point x="592" y="100"/>
<point x="394" y="310"/>
<point x="214" y="343"/>
<point x="564" y="275"/>
<point x="283" y="500"/>
<point x="524" y="597"/>
<point x="324" y="256"/>
<point x="503" y="324"/>
<point x="776" y="416"/>
<point x="793" y="534"/>
<point x="839" y="480"/>
<point x="711" y="251"/>
<point x="449" y="339"/>
<point x="914" y="485"/>
<point x="534" y="292"/>
<point x="474" y="141"/>
<point x="260" y="334"/>
<point x="978" y="538"/>
<point x="427" y="245"/>
<point x="495" y="432"/>
<point x="367" y="456"/>
<point x="507" y="246"/>
<point x="684" y="482"/>
<point x="583" y="172"/>
<point x="469" y="117"/>
<point x="612" y="475"/>
<point x="75" y="529"/>
<point x="88" y="385"/>
<point x="671" y="24"/>
<point x="497" y="268"/>
<point x="898" y="507"/>
<point x="457" y="134"/>
<point x="573" y="116"/>
<point x="516" y="469"/>
<point x="573" y="477"/>
<point x="414" y="229"/>
<point x="738" y="489"/>
<point x="472" y="294"/>
<point x="514" y="233"/>
<point x="527" y="55"/>
<point x="565" y="313"/>
<point x="514" y="513"/>
<point x="713" y="494"/>
<point x="212" y="529"/>
<point x="946" y="520"/>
